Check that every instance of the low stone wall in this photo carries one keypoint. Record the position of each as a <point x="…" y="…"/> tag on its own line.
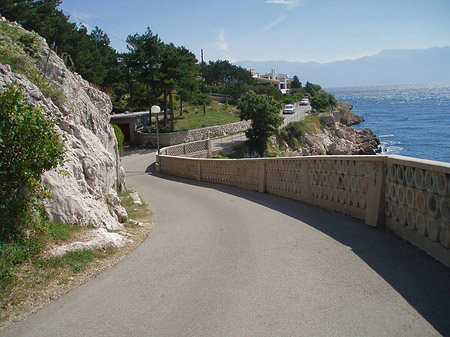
<point x="173" y="138"/>
<point x="409" y="196"/>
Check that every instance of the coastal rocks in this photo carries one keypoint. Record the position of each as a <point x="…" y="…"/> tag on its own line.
<point x="328" y="121"/>
<point x="84" y="188"/>
<point x="346" y="108"/>
<point x="337" y="140"/>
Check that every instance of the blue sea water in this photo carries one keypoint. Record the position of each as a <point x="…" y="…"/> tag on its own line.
<point x="409" y="120"/>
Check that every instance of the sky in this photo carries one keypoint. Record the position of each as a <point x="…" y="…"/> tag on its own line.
<point x="262" y="30"/>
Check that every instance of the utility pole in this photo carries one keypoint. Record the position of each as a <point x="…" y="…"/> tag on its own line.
<point x="203" y="85"/>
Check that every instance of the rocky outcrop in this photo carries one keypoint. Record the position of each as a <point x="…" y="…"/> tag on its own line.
<point x="334" y="139"/>
<point x="84" y="189"/>
<point x="346" y="108"/>
<point x="97" y="238"/>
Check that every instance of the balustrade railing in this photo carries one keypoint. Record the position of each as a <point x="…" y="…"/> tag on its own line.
<point x="408" y="195"/>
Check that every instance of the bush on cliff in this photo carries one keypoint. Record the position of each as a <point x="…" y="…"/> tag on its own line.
<point x="292" y="133"/>
<point x="29" y="145"/>
<point x="119" y="136"/>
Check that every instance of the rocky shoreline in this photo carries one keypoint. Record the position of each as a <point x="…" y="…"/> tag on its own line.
<point x="334" y="138"/>
<point x="346" y="108"/>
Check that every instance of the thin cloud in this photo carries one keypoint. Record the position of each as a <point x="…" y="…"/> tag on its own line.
<point x="273" y="23"/>
<point x="223" y="47"/>
<point x="289" y="3"/>
<point x="221" y="43"/>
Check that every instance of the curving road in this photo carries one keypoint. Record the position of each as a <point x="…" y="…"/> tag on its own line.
<point x="299" y="114"/>
<point x="228" y="262"/>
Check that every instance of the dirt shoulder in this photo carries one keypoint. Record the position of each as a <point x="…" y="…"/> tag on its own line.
<point x="34" y="288"/>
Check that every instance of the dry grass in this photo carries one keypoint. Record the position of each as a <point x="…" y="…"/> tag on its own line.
<point x="38" y="285"/>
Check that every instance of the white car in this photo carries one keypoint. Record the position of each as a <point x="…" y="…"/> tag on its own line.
<point x="289" y="109"/>
<point x="304" y="101"/>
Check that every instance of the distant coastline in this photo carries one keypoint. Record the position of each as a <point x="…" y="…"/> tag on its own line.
<point x="388" y="67"/>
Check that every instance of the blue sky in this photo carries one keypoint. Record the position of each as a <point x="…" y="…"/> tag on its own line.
<point x="262" y="30"/>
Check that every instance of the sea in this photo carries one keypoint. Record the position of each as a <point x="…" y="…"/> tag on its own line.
<point x="410" y="120"/>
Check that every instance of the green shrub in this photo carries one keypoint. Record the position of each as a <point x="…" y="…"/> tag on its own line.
<point x="11" y="254"/>
<point x="293" y="132"/>
<point x="343" y="119"/>
<point x="263" y="111"/>
<point x="29" y="145"/>
<point x="119" y="136"/>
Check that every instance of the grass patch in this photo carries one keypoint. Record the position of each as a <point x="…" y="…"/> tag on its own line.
<point x="22" y="50"/>
<point x="193" y="117"/>
<point x="137" y="212"/>
<point x="22" y="258"/>
<point x="28" y="275"/>
<point x="74" y="261"/>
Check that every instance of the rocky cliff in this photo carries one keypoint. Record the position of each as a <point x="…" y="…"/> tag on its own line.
<point x="346" y="108"/>
<point x="84" y="189"/>
<point x="333" y="138"/>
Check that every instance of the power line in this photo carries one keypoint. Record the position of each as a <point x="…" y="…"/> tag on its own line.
<point x="114" y="25"/>
<point x="71" y="15"/>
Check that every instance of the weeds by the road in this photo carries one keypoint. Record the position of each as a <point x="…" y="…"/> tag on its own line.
<point x="30" y="277"/>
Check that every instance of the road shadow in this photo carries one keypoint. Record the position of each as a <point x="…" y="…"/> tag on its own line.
<point x="422" y="281"/>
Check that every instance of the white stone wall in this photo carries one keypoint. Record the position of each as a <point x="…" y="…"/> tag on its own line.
<point x="407" y="195"/>
<point x="168" y="139"/>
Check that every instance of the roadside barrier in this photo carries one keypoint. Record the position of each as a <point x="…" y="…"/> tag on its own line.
<point x="410" y="196"/>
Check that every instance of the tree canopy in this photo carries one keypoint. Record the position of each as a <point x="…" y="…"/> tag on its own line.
<point x="152" y="71"/>
<point x="263" y="111"/>
<point x="88" y="54"/>
<point x="296" y="84"/>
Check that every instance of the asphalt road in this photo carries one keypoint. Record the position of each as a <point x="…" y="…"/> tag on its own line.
<point x="300" y="113"/>
<point x="228" y="262"/>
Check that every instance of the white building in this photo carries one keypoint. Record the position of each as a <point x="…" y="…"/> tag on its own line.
<point x="279" y="80"/>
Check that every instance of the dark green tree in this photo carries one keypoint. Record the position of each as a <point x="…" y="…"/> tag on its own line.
<point x="189" y="84"/>
<point x="39" y="15"/>
<point x="108" y="56"/>
<point x="263" y="111"/>
<point x="323" y="100"/>
<point x="296" y="84"/>
<point x="312" y="89"/>
<point x="268" y="89"/>
<point x="178" y="71"/>
<point x="86" y="54"/>
<point x="319" y="102"/>
<point x="222" y="72"/>
<point x="144" y="62"/>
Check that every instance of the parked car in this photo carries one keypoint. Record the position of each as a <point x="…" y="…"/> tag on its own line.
<point x="289" y="109"/>
<point x="304" y="101"/>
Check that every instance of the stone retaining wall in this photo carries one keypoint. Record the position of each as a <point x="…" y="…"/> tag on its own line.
<point x="407" y="195"/>
<point x="168" y="139"/>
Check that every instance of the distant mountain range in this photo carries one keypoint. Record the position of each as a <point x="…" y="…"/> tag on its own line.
<point x="396" y="66"/>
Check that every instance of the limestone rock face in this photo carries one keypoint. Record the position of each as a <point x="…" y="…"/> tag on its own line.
<point x="98" y="238"/>
<point x="84" y="189"/>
